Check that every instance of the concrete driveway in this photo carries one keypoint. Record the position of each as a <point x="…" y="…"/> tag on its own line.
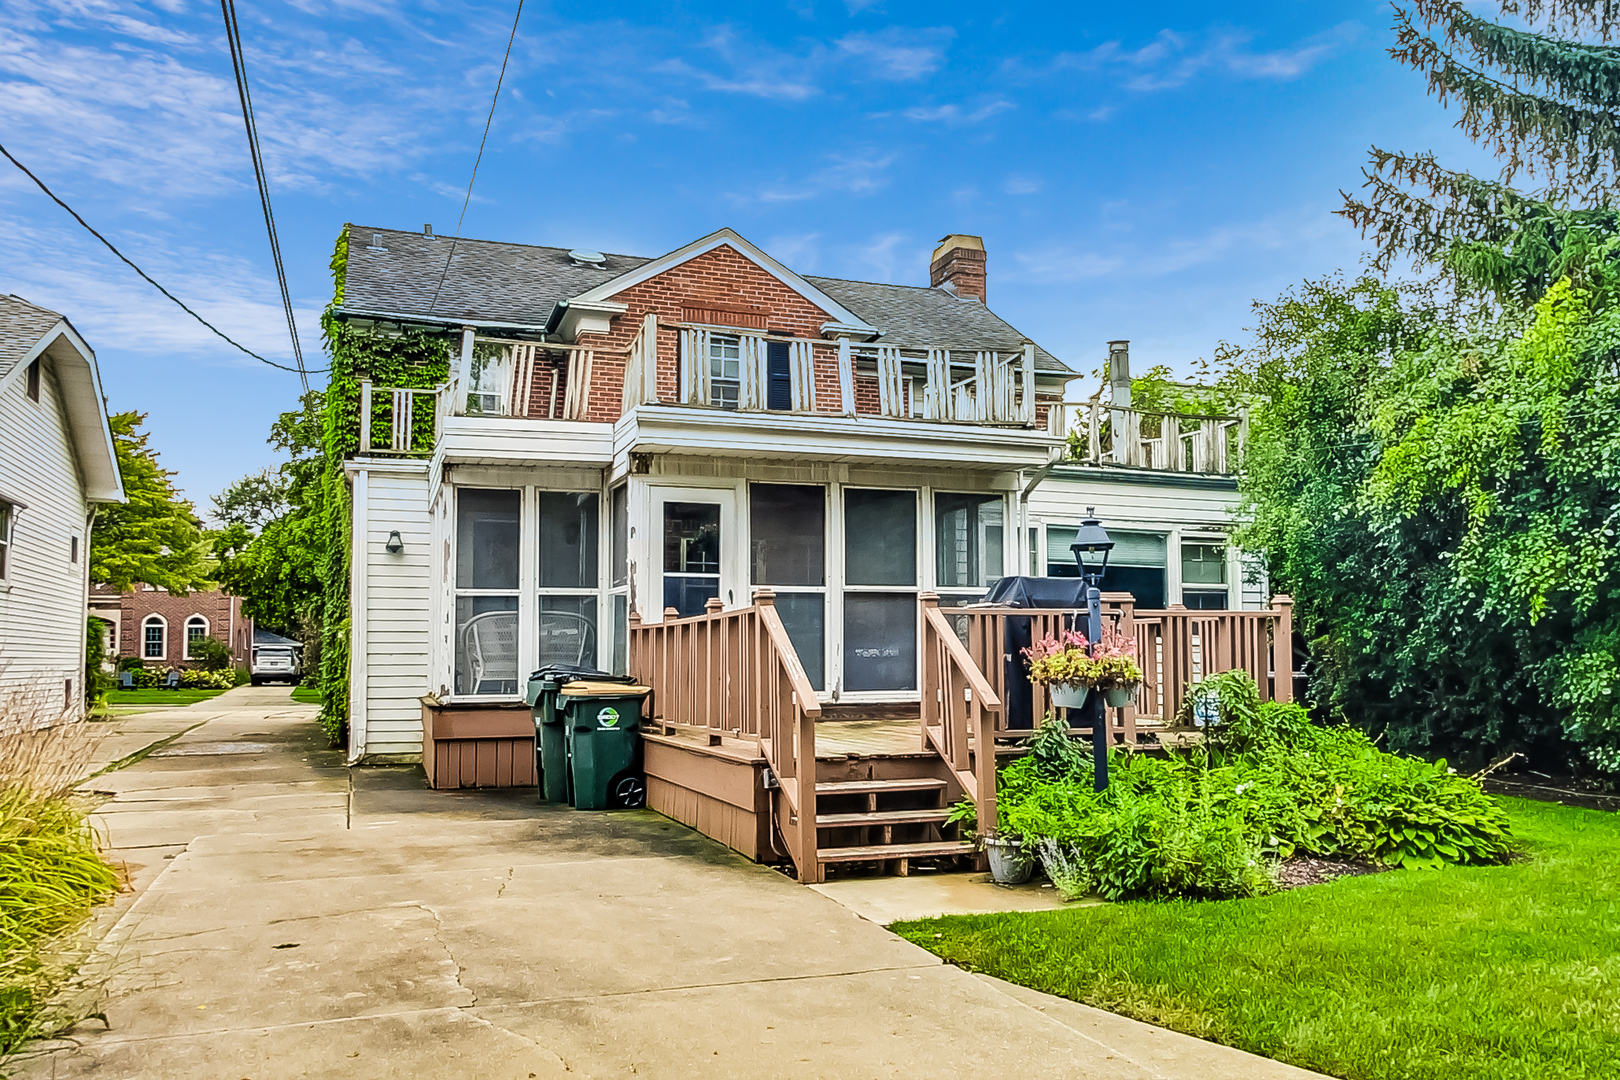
<point x="294" y="918"/>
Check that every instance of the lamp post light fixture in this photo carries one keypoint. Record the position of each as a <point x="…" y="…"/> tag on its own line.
<point x="395" y="545"/>
<point x="1091" y="547"/>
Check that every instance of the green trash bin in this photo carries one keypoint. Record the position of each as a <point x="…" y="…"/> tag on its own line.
<point x="603" y="725"/>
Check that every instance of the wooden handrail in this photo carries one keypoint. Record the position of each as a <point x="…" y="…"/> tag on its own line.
<point x="960" y="710"/>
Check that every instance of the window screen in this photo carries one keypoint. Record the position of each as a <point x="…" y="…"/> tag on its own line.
<point x="880" y="537"/>
<point x="880" y="641"/>
<point x="787" y="534"/>
<point x="967" y="539"/>
<point x="568" y="539"/>
<point x="487" y="530"/>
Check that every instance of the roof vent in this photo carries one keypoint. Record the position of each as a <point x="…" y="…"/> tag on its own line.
<point x="587" y="257"/>
<point x="427" y="231"/>
<point x="376" y="243"/>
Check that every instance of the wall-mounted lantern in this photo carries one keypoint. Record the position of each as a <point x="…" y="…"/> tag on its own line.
<point x="395" y="545"/>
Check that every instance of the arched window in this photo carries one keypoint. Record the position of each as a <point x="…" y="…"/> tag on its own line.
<point x="154" y="638"/>
<point x="196" y="630"/>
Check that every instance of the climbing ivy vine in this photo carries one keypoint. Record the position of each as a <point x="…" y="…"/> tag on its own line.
<point x="403" y="358"/>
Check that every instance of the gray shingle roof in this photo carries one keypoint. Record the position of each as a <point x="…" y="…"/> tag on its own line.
<point x="266" y="637"/>
<point x="394" y="273"/>
<point x="916" y="317"/>
<point x="487" y="281"/>
<point x="21" y="326"/>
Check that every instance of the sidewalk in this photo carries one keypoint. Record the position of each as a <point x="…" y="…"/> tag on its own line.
<point x="298" y="919"/>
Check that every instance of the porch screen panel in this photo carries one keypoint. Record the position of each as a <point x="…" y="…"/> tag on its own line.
<point x="488" y="530"/>
<point x="788" y="552"/>
<point x="1203" y="576"/>
<point x="691" y="555"/>
<point x="1136" y="565"/>
<point x="880" y="641"/>
<point x="880" y="537"/>
<point x="968" y="539"/>
<point x="880" y="594"/>
<point x="567" y="609"/>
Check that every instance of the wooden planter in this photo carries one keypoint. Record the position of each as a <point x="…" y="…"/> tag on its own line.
<point x="478" y="746"/>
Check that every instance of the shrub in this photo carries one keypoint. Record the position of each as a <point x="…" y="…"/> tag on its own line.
<point x="212" y="653"/>
<point x="1270" y="785"/>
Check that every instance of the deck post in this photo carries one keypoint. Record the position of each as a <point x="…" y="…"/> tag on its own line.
<point x="1282" y="649"/>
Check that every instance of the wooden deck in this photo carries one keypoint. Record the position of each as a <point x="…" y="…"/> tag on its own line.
<point x="868" y="738"/>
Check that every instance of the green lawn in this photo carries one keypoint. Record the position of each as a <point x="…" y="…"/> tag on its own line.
<point x="1507" y="971"/>
<point x="308" y="695"/>
<point x="119" y="699"/>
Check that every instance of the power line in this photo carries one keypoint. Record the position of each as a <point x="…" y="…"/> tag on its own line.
<point x="138" y="270"/>
<point x="490" y="120"/>
<point x="233" y="34"/>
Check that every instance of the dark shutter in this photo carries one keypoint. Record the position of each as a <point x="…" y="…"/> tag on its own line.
<point x="778" y="376"/>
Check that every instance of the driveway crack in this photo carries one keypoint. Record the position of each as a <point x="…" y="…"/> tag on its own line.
<point x="438" y="935"/>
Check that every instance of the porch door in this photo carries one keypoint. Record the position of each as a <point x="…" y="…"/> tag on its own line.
<point x="697" y="555"/>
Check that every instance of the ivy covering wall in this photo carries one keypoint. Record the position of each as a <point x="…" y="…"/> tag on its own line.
<point x="389" y="358"/>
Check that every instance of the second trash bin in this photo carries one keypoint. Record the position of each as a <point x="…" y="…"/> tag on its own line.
<point x="602" y="721"/>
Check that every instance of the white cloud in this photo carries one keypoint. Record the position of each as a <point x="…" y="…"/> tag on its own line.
<point x="1174" y="58"/>
<point x="853" y="173"/>
<point x="954" y="114"/>
<point x="899" y="54"/>
<point x="1021" y="185"/>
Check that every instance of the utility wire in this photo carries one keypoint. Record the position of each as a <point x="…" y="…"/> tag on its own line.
<point x="490" y="120"/>
<point x="138" y="270"/>
<point x="233" y="35"/>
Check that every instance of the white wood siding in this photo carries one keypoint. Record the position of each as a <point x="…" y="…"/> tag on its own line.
<point x="1197" y="509"/>
<point x="397" y="598"/>
<point x="43" y="599"/>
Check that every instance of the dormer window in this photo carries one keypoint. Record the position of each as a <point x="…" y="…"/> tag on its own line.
<point x="725" y="370"/>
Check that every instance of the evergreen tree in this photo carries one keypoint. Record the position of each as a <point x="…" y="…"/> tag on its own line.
<point x="154" y="538"/>
<point x="1546" y="105"/>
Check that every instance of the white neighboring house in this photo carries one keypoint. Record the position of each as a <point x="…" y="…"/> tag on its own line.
<point x="56" y="464"/>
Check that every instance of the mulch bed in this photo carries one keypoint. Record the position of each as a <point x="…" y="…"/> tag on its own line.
<point x="1302" y="870"/>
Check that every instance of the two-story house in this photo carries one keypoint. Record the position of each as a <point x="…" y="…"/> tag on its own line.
<point x="629" y="442"/>
<point x="57" y="464"/>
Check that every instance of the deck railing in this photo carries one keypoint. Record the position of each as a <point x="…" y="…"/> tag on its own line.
<point x="1170" y="442"/>
<point x="960" y="710"/>
<point x="400" y="421"/>
<point x="736" y="673"/>
<point x="1175" y="647"/>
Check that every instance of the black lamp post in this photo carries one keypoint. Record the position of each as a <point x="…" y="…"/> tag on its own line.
<point x="1091" y="547"/>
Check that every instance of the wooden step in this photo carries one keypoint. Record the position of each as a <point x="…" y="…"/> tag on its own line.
<point x="861" y="787"/>
<point x="880" y="817"/>
<point x="878" y="852"/>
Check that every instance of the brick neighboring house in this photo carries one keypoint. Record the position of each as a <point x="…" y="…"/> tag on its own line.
<point x="158" y="627"/>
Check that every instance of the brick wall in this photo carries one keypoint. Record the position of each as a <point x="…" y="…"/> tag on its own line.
<point x="224" y="613"/>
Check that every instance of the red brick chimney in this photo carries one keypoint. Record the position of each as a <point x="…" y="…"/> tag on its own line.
<point x="958" y="265"/>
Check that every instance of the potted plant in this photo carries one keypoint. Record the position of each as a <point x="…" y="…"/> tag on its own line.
<point x="1064" y="664"/>
<point x="1118" y="675"/>
<point x="1011" y="862"/>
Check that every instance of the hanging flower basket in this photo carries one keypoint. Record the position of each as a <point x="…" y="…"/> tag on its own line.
<point x="1069" y="695"/>
<point x="1117" y="697"/>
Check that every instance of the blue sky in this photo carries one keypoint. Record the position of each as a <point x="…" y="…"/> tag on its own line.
<point x="1137" y="171"/>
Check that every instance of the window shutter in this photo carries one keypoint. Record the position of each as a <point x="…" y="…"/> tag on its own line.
<point x="778" y="376"/>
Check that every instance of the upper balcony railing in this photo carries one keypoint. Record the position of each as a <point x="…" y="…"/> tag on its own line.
<point x="748" y="371"/>
<point x="1171" y="442"/>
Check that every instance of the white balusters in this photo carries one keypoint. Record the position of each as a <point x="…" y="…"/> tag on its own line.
<point x="891" y="382"/>
<point x="846" y="378"/>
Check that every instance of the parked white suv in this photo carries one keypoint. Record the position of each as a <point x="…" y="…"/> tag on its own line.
<point x="274" y="663"/>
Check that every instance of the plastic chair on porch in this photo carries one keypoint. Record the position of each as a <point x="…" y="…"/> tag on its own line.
<point x="567" y="637"/>
<point x="489" y="649"/>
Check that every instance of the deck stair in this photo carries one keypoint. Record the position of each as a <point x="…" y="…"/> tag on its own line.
<point x="888" y="822"/>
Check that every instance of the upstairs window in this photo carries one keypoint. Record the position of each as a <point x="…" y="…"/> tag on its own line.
<point x="31" y="381"/>
<point x="154" y="638"/>
<point x="725" y="370"/>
